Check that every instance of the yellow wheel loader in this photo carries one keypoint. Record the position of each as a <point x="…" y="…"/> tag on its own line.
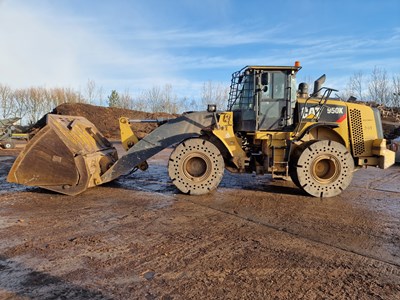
<point x="270" y="126"/>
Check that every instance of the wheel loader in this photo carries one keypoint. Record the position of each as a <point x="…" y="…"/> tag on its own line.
<point x="271" y="126"/>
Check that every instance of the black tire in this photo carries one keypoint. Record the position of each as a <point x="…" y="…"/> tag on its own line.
<point x="196" y="166"/>
<point x="322" y="168"/>
<point x="293" y="162"/>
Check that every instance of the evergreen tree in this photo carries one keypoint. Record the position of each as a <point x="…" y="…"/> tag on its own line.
<point x="113" y="99"/>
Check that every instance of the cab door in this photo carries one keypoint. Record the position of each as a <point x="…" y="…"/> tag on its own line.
<point x="272" y="100"/>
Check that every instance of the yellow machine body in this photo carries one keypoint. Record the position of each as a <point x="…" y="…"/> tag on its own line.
<point x="357" y="129"/>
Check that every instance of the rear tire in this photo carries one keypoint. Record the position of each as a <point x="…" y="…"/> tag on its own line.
<point x="322" y="168"/>
<point x="196" y="166"/>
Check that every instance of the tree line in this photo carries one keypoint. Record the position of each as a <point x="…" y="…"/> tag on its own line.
<point x="378" y="87"/>
<point x="30" y="104"/>
<point x="165" y="99"/>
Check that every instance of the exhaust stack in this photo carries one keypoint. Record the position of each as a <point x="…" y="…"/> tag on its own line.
<point x="317" y="85"/>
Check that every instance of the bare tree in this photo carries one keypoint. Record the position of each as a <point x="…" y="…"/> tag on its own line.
<point x="186" y="104"/>
<point x="346" y="93"/>
<point x="354" y="87"/>
<point x="90" y="91"/>
<point x="214" y="93"/>
<point x="152" y="98"/>
<point x="6" y="101"/>
<point x="20" y="103"/>
<point x="169" y="100"/>
<point x="357" y="85"/>
<point x="56" y="96"/>
<point x="159" y="99"/>
<point x="379" y="90"/>
<point x="73" y="96"/>
<point x="138" y="103"/>
<point x="64" y="95"/>
<point x="125" y="100"/>
<point x="396" y="90"/>
<point x="36" y="104"/>
<point x="100" y="94"/>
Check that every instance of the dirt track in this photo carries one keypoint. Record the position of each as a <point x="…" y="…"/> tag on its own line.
<point x="138" y="238"/>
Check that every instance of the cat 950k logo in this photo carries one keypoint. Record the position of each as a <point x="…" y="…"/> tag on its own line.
<point x="327" y="113"/>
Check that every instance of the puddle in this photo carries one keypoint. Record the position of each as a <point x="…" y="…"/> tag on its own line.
<point x="5" y="158"/>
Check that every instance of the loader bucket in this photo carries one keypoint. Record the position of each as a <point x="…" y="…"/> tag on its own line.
<point x="68" y="155"/>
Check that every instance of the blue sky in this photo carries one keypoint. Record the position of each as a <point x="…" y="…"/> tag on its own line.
<point x="138" y="44"/>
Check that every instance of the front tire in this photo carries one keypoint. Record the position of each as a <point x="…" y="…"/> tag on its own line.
<point x="322" y="168"/>
<point x="196" y="166"/>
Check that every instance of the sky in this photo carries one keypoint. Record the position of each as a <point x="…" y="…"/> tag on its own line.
<point x="135" y="45"/>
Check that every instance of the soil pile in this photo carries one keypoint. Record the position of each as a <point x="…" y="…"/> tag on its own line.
<point x="106" y="118"/>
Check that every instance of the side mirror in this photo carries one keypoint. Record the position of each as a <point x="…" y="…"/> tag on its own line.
<point x="264" y="79"/>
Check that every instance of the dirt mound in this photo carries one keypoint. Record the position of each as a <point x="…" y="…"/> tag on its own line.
<point x="106" y="118"/>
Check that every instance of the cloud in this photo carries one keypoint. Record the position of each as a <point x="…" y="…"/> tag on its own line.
<point x="39" y="48"/>
<point x="49" y="45"/>
<point x="45" y="46"/>
<point x="220" y="37"/>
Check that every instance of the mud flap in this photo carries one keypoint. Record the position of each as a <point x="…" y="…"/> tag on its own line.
<point x="68" y="155"/>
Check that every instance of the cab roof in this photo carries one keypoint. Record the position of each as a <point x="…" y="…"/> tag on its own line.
<point x="274" y="68"/>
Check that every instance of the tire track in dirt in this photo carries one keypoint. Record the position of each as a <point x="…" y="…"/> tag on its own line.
<point x="393" y="269"/>
<point x="396" y="267"/>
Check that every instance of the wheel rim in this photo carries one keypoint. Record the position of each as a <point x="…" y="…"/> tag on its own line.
<point x="325" y="169"/>
<point x="197" y="167"/>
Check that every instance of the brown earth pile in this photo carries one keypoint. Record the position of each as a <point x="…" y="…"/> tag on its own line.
<point x="106" y="118"/>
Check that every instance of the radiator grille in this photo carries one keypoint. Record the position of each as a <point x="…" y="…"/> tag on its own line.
<point x="357" y="132"/>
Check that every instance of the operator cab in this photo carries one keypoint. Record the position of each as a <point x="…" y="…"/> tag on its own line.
<point x="263" y="97"/>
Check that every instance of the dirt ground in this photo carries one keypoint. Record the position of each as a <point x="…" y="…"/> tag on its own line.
<point x="254" y="238"/>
